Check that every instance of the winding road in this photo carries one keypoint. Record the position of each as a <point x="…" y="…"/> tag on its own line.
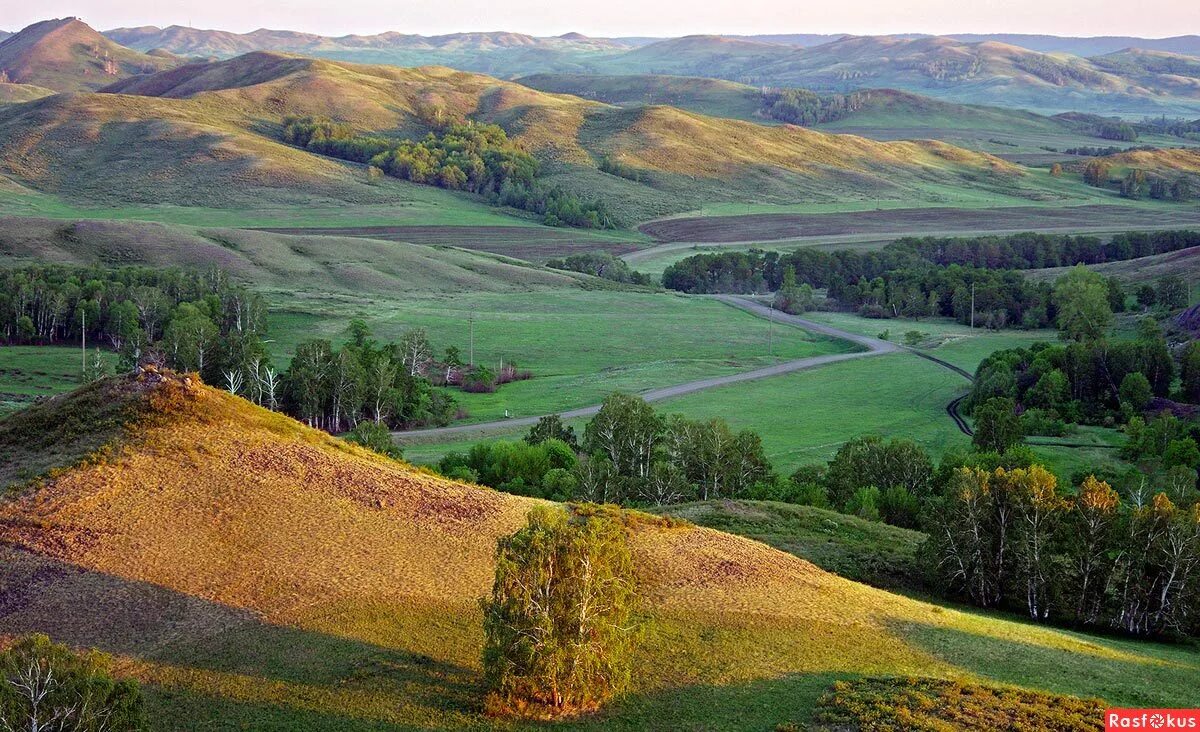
<point x="871" y="347"/>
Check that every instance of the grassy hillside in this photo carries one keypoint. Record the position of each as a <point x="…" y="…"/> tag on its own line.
<point x="20" y="93"/>
<point x="355" y="580"/>
<point x="223" y="119"/>
<point x="865" y="551"/>
<point x="67" y="55"/>
<point x="713" y="97"/>
<point x="1170" y="163"/>
<point x="277" y="261"/>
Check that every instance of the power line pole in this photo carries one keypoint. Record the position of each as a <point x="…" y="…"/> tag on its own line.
<point x="771" y="335"/>
<point x="83" y="341"/>
<point x="471" y="320"/>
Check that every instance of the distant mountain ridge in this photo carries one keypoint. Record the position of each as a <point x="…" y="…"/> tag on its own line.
<point x="198" y="42"/>
<point x="183" y="40"/>
<point x="1122" y="75"/>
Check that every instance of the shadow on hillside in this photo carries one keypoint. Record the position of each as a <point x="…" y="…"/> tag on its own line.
<point x="1121" y="671"/>
<point x="218" y="649"/>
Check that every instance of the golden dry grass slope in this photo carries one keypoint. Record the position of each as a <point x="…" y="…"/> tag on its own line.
<point x="206" y="134"/>
<point x="254" y="571"/>
<point x="67" y="55"/>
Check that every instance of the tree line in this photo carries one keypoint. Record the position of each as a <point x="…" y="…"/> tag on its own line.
<point x="885" y="284"/>
<point x="467" y="156"/>
<point x="199" y="322"/>
<point x="1039" y="251"/>
<point x="204" y="323"/>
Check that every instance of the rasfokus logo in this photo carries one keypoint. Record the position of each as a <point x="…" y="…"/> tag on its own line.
<point x="1151" y="719"/>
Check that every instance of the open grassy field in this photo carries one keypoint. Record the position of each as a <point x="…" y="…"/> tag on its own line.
<point x="805" y="417"/>
<point x="354" y="580"/>
<point x="29" y="372"/>
<point x="580" y="345"/>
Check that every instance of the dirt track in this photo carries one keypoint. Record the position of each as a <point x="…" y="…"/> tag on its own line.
<point x="871" y="347"/>
<point x="524" y="242"/>
<point x="901" y="222"/>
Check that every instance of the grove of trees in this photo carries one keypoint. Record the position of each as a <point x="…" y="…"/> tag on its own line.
<point x="629" y="455"/>
<point x="467" y="156"/>
<point x="1012" y="538"/>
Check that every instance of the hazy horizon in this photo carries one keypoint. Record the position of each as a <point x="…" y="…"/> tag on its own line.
<point x="629" y="18"/>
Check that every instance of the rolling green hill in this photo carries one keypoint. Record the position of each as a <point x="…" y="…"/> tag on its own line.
<point x="222" y="120"/>
<point x="713" y="97"/>
<point x="277" y="261"/>
<point x="208" y="525"/>
<point x="67" y="55"/>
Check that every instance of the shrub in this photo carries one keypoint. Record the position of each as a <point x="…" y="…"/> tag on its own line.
<point x="865" y="503"/>
<point x="375" y="436"/>
<point x="47" y="686"/>
<point x="558" y="630"/>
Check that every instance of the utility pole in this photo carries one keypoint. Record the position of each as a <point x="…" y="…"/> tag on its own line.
<point x="771" y="335"/>
<point x="83" y="341"/>
<point x="972" y="304"/>
<point x="471" y="320"/>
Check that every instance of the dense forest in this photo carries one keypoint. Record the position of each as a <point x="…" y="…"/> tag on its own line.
<point x="479" y="158"/>
<point x="805" y="108"/>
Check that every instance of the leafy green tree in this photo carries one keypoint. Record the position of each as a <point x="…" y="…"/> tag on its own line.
<point x="1147" y="296"/>
<point x="1172" y="292"/>
<point x="864" y="503"/>
<point x="551" y="427"/>
<point x="1182" y="453"/>
<point x="1052" y="391"/>
<point x="1191" y="372"/>
<point x="1135" y="391"/>
<point x="870" y="461"/>
<point x="997" y="426"/>
<point x="626" y="431"/>
<point x="47" y="686"/>
<point x="1083" y="308"/>
<point x="558" y="627"/>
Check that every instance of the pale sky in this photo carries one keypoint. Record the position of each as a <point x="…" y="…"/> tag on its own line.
<point x="1145" y="18"/>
